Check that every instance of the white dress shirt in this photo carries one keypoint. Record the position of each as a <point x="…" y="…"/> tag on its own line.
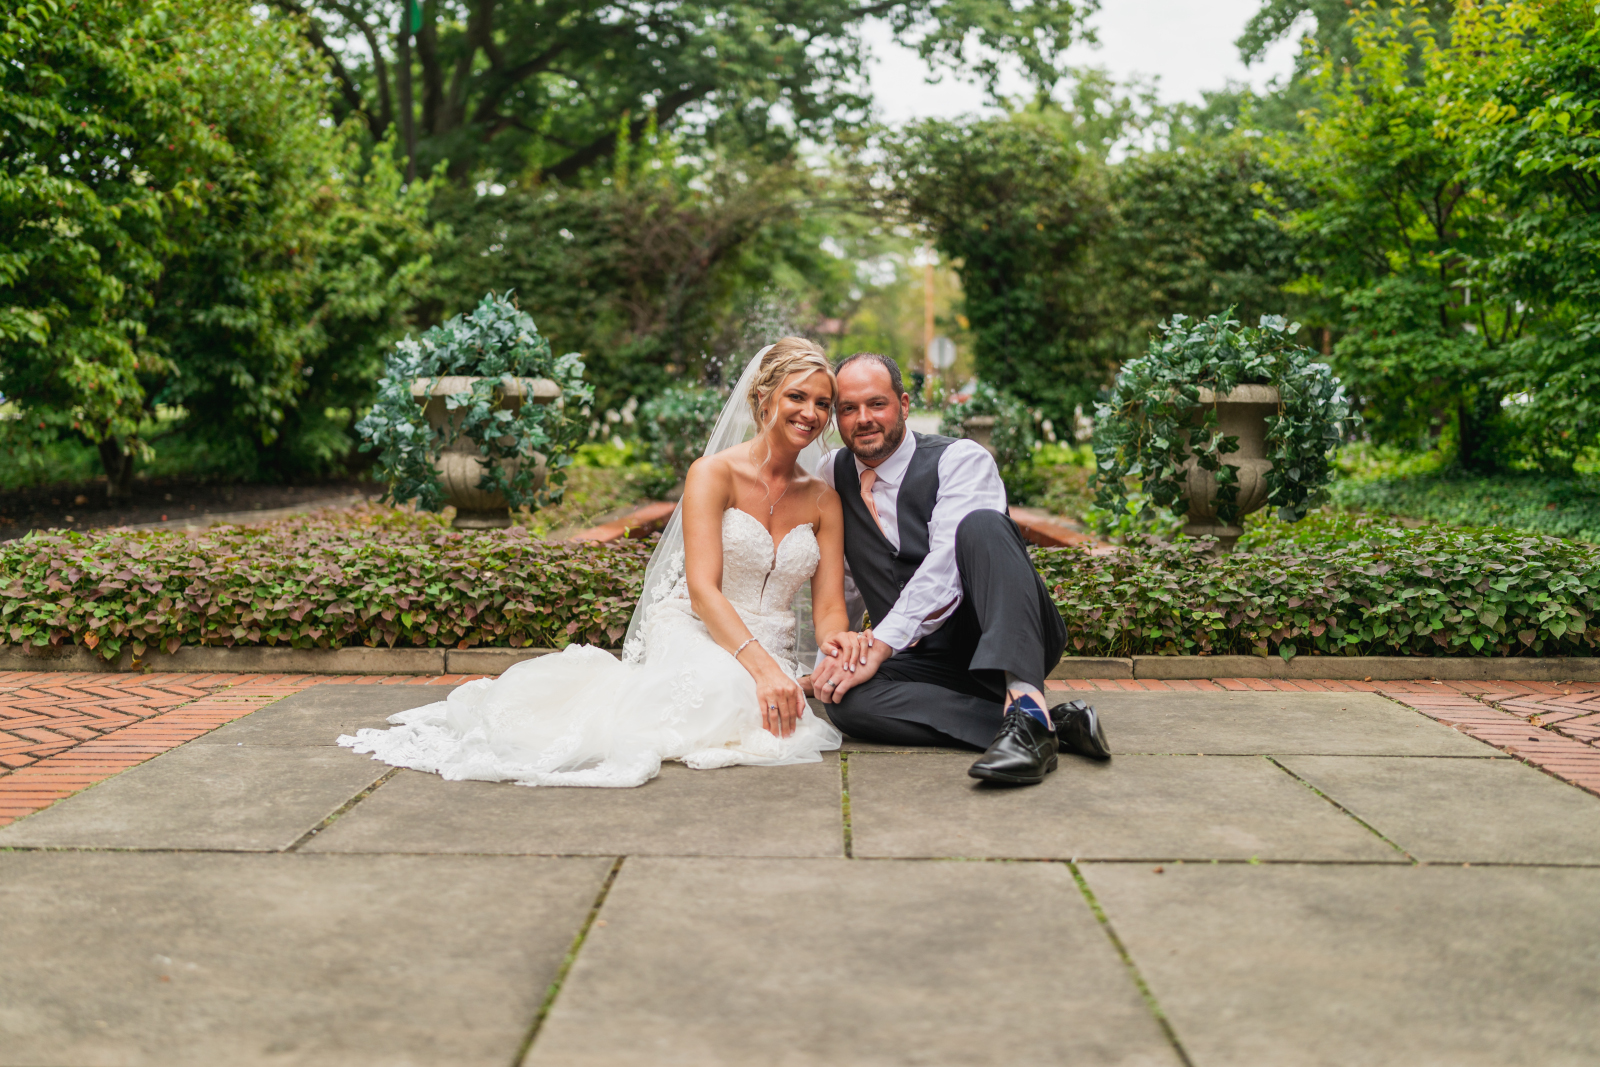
<point x="968" y="481"/>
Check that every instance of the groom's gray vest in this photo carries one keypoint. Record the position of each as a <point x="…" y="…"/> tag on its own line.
<point x="879" y="571"/>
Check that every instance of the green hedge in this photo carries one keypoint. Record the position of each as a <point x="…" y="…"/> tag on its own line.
<point x="1330" y="584"/>
<point x="371" y="577"/>
<point x="1359" y="589"/>
<point x="1540" y="503"/>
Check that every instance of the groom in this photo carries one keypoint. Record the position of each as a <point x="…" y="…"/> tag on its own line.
<point x="964" y="630"/>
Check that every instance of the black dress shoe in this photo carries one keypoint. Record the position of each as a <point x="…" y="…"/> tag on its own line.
<point x="1022" y="753"/>
<point x="1078" y="730"/>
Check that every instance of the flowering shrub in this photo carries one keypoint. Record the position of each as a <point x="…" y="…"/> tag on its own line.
<point x="371" y="577"/>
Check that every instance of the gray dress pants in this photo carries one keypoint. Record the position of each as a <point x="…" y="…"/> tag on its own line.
<point x="949" y="688"/>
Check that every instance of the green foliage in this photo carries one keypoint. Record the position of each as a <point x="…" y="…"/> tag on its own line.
<point x="654" y="280"/>
<point x="372" y="577"/>
<point x="1192" y="233"/>
<point x="676" y="424"/>
<point x="1154" y="424"/>
<point x="1021" y="207"/>
<point x="496" y="341"/>
<point x="1380" y="591"/>
<point x="522" y="86"/>
<point x="1523" y="105"/>
<point x="1012" y="436"/>
<point x="181" y="228"/>
<point x="1450" y="231"/>
<point x="1557" y="505"/>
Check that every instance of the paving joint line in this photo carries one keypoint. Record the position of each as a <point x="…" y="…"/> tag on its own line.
<point x="844" y="805"/>
<point x="566" y="965"/>
<point x="1373" y="830"/>
<point x="342" y="809"/>
<point x="1145" y="992"/>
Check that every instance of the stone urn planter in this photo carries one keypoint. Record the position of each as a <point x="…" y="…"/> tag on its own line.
<point x="980" y="428"/>
<point x="460" y="465"/>
<point x="1243" y="414"/>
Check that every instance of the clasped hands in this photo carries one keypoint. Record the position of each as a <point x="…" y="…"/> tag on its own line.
<point x="849" y="659"/>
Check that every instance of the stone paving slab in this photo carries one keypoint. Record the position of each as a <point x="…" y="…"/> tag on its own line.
<point x="172" y="960"/>
<point x="831" y="962"/>
<point x="1135" y="807"/>
<point x="734" y="811"/>
<point x="1336" y="966"/>
<point x="206" y="797"/>
<point x="318" y="715"/>
<point x="1268" y="723"/>
<point x="1462" y="811"/>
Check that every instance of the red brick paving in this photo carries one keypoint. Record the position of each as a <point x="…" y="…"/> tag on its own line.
<point x="62" y="732"/>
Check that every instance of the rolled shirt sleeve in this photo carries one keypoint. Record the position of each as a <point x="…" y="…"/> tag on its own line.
<point x="969" y="481"/>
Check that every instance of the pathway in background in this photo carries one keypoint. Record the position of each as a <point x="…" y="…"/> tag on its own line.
<point x="61" y="732"/>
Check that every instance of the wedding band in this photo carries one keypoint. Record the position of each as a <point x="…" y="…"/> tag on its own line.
<point x="772" y="707"/>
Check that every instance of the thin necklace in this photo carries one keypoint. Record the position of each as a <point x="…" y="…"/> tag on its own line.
<point x="767" y="486"/>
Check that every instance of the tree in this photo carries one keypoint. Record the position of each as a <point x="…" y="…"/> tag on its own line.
<point x="520" y="86"/>
<point x="1021" y="209"/>
<point x="1451" y="239"/>
<point x="1390" y="233"/>
<point x="1193" y="235"/>
<point x="212" y="246"/>
<point x="1523" y="104"/>
<point x="649" y="275"/>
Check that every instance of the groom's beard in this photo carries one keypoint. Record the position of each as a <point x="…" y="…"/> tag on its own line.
<point x="892" y="436"/>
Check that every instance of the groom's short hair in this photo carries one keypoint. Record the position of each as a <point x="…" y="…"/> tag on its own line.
<point x="888" y="364"/>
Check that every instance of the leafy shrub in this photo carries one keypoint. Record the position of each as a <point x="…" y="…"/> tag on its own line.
<point x="1013" y="438"/>
<point x="1148" y="429"/>
<point x="372" y="577"/>
<point x="1384" y="590"/>
<point x="496" y="340"/>
<point x="1562" y="506"/>
<point x="677" y="423"/>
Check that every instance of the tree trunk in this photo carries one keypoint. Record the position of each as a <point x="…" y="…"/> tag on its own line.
<point x="402" y="77"/>
<point x="1476" y="415"/>
<point x="118" y="466"/>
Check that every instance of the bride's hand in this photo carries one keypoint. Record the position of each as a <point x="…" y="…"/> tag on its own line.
<point x="847" y="648"/>
<point x="782" y="701"/>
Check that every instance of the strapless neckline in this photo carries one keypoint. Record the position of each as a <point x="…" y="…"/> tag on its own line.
<point x="777" y="544"/>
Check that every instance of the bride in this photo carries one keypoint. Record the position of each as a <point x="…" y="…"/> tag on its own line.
<point x="709" y="673"/>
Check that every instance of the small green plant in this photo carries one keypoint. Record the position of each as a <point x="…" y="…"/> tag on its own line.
<point x="1013" y="439"/>
<point x="676" y="424"/>
<point x="1154" y="422"/>
<point x="496" y="340"/>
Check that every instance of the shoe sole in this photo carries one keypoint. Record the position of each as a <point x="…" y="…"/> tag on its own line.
<point x="1012" y="779"/>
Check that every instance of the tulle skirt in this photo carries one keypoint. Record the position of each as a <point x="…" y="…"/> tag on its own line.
<point x="580" y="717"/>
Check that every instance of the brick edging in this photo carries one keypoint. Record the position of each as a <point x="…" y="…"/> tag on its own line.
<point x="393" y="661"/>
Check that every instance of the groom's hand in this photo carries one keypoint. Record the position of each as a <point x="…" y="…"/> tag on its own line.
<point x="848" y="680"/>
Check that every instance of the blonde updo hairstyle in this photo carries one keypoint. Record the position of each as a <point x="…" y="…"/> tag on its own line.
<point x="790" y="355"/>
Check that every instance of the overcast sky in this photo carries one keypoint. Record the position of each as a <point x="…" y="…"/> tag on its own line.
<point x="1188" y="43"/>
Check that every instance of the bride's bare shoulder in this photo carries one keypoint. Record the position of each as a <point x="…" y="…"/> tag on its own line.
<point x="710" y="477"/>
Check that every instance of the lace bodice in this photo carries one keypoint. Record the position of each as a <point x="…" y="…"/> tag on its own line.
<point x="758" y="578"/>
<point x="760" y="582"/>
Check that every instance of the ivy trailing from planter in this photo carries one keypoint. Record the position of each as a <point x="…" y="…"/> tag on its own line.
<point x="1154" y="421"/>
<point x="496" y="340"/>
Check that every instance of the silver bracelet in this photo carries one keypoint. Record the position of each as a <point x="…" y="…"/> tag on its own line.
<point x="741" y="647"/>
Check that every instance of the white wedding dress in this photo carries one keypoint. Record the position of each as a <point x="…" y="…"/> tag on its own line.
<point x="580" y="717"/>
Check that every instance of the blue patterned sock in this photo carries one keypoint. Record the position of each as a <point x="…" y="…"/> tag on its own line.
<point x="1027" y="703"/>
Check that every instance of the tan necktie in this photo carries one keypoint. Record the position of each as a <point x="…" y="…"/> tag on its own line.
<point x="869" y="478"/>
